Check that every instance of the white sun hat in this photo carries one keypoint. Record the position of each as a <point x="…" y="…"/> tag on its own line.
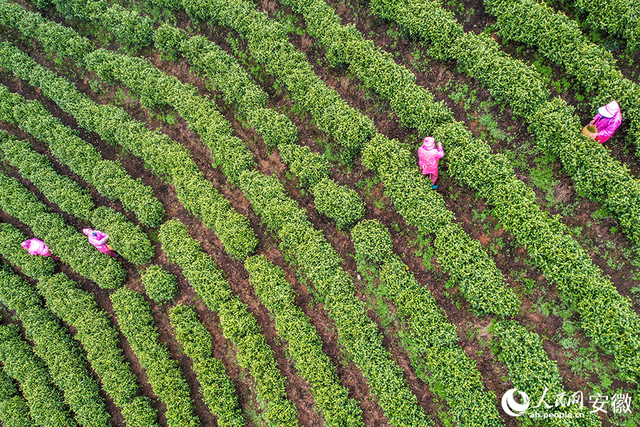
<point x="609" y="110"/>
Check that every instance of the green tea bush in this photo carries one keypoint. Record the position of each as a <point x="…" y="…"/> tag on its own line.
<point x="108" y="177"/>
<point x="238" y="325"/>
<point x="159" y="284"/>
<point x="58" y="350"/>
<point x="136" y="323"/>
<point x="160" y="154"/>
<point x="71" y="246"/>
<point x="309" y="167"/>
<point x="100" y="340"/>
<point x="45" y="402"/>
<point x="371" y="241"/>
<point x="304" y="344"/>
<point x="340" y="203"/>
<point x="14" y="411"/>
<point x="217" y="388"/>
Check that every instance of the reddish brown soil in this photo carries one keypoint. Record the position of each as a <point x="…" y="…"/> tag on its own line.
<point x="509" y="258"/>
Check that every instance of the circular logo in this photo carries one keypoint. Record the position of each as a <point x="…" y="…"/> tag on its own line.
<point x="511" y="407"/>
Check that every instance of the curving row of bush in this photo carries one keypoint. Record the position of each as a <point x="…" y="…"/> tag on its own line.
<point x="223" y="72"/>
<point x="100" y="340"/>
<point x="277" y="130"/>
<point x="476" y="273"/>
<point x="14" y="411"/>
<point x="136" y="323"/>
<point x="156" y="88"/>
<point x="108" y="177"/>
<point x="71" y="246"/>
<point x="304" y="344"/>
<point x="531" y="370"/>
<point x="160" y="154"/>
<point x="95" y="332"/>
<point x="218" y="391"/>
<point x="560" y="40"/>
<point x="54" y="38"/>
<point x="127" y="26"/>
<point x="238" y="325"/>
<point x="127" y="239"/>
<point x="322" y="267"/>
<point x="44" y="400"/>
<point x="618" y="17"/>
<point x="54" y="345"/>
<point x="269" y="44"/>
<point x="558" y="255"/>
<point x="432" y="341"/>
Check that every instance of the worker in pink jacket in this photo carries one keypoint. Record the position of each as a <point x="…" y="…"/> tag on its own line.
<point x="99" y="240"/>
<point x="606" y="121"/>
<point x="428" y="157"/>
<point x="37" y="247"/>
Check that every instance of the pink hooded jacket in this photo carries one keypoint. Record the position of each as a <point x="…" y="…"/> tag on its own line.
<point x="36" y="247"/>
<point x="428" y="156"/>
<point x="607" y="121"/>
<point x="99" y="240"/>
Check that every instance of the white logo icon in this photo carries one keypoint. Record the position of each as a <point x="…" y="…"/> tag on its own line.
<point x="511" y="407"/>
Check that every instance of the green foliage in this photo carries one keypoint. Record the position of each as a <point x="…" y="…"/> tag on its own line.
<point x="20" y="363"/>
<point x="340" y="203"/>
<point x="190" y="333"/>
<point x="217" y="388"/>
<point x="237" y="324"/>
<point x="224" y="73"/>
<point x="371" y="241"/>
<point x="618" y="17"/>
<point x="160" y="153"/>
<point x="155" y="88"/>
<point x="562" y="41"/>
<point x="129" y="28"/>
<point x="466" y="261"/>
<point x="108" y="177"/>
<point x="434" y="339"/>
<point x="560" y="257"/>
<point x="168" y="39"/>
<point x="127" y="238"/>
<point x="268" y="43"/>
<point x="14" y="411"/>
<point x="100" y="339"/>
<point x="309" y="167"/>
<point x="65" y="242"/>
<point x="531" y="370"/>
<point x="53" y="38"/>
<point x="80" y="9"/>
<point x="273" y="127"/>
<point x="322" y="267"/>
<point x="35" y="167"/>
<point x="159" y="284"/>
<point x="304" y="344"/>
<point x="54" y="345"/>
<point x="136" y="323"/>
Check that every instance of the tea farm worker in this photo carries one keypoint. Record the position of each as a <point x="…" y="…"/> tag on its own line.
<point x="428" y="156"/>
<point x="607" y="121"/>
<point x="37" y="247"/>
<point x="99" y="240"/>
